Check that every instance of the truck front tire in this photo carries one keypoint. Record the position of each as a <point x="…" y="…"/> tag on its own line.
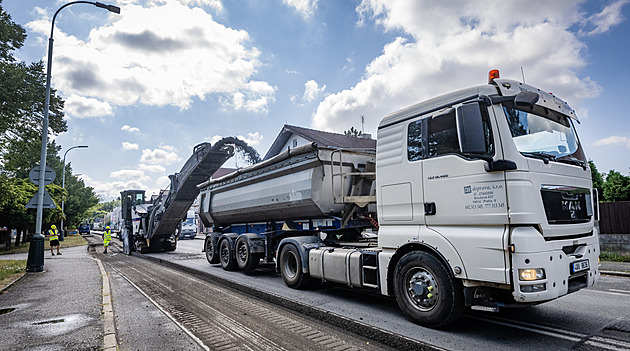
<point x="291" y="268"/>
<point x="426" y="292"/>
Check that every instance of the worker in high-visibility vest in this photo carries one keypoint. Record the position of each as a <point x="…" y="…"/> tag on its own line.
<point x="53" y="238"/>
<point x="107" y="238"/>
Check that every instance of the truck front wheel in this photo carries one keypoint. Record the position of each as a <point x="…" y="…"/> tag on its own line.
<point x="426" y="292"/>
<point x="226" y="256"/>
<point x="291" y="268"/>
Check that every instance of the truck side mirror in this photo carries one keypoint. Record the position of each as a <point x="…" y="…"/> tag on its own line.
<point x="526" y="99"/>
<point x="470" y="129"/>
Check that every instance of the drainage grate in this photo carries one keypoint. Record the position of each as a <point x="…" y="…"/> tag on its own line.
<point x="54" y="321"/>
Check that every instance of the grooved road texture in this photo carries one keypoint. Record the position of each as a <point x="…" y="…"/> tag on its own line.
<point x="226" y="319"/>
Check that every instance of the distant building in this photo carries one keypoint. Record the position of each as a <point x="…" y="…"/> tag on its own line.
<point x="292" y="137"/>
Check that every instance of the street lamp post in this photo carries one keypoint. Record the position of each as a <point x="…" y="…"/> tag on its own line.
<point x="63" y="186"/>
<point x="35" y="264"/>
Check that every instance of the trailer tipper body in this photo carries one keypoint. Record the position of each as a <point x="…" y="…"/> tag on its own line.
<point x="480" y="198"/>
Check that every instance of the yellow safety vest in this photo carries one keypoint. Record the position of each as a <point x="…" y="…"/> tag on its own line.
<point x="108" y="235"/>
<point x="54" y="235"/>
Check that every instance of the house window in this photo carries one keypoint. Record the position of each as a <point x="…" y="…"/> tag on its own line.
<point x="294" y="142"/>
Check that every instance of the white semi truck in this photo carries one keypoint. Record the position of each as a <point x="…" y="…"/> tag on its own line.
<point x="479" y="198"/>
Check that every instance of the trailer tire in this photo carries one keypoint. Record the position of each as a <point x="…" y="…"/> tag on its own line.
<point x="426" y="292"/>
<point x="245" y="259"/>
<point x="226" y="256"/>
<point x="211" y="254"/>
<point x="291" y="268"/>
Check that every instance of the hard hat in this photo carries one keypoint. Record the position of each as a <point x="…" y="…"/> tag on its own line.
<point x="53" y="226"/>
<point x="107" y="227"/>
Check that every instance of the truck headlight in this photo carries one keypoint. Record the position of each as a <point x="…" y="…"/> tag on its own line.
<point x="530" y="274"/>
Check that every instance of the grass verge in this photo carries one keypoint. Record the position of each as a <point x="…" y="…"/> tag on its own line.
<point x="69" y="241"/>
<point x="11" y="270"/>
<point x="614" y="256"/>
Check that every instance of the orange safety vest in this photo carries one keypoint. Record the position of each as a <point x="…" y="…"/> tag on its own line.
<point x="54" y="235"/>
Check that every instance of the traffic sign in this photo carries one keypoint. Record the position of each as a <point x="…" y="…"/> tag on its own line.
<point x="48" y="201"/>
<point x="49" y="175"/>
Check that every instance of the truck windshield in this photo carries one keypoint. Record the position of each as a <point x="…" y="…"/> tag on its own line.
<point x="545" y="134"/>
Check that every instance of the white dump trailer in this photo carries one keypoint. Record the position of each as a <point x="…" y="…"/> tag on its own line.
<point x="480" y="198"/>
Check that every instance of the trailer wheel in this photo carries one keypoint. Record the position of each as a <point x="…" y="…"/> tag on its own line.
<point x="226" y="256"/>
<point x="211" y="255"/>
<point x="426" y="292"/>
<point x="291" y="268"/>
<point x="245" y="259"/>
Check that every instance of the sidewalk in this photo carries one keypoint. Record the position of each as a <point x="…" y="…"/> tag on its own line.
<point x="57" y="309"/>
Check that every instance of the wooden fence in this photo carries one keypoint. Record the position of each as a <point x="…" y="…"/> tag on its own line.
<point x="614" y="217"/>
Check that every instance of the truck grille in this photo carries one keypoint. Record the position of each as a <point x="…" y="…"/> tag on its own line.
<point x="566" y="205"/>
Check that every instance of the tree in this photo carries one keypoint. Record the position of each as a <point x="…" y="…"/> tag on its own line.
<point x="22" y="97"/>
<point x="598" y="180"/>
<point x="616" y="187"/>
<point x="352" y="132"/>
<point x="22" y="93"/>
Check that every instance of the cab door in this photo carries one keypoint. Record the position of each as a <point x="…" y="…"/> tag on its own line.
<point x="463" y="201"/>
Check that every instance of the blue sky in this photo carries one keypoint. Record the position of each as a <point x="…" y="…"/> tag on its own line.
<point x="143" y="87"/>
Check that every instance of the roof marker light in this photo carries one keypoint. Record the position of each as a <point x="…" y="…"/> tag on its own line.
<point x="493" y="74"/>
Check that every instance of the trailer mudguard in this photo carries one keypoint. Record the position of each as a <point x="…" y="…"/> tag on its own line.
<point x="304" y="244"/>
<point x="231" y="238"/>
<point x="256" y="243"/>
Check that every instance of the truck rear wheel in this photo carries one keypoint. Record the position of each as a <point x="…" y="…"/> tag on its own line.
<point x="291" y="268"/>
<point x="245" y="259"/>
<point x="211" y="255"/>
<point x="426" y="292"/>
<point x="226" y="256"/>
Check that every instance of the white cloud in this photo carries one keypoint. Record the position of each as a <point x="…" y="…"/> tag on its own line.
<point x="108" y="191"/>
<point x="129" y="146"/>
<point x="134" y="174"/>
<point x="214" y="139"/>
<point x="252" y="138"/>
<point x="610" y="16"/>
<point x="158" y="156"/>
<point x="306" y="8"/>
<point x="167" y="147"/>
<point x="129" y="128"/>
<point x="453" y="46"/>
<point x="151" y="168"/>
<point x="77" y="106"/>
<point x="312" y="90"/>
<point x="162" y="54"/>
<point x="614" y="140"/>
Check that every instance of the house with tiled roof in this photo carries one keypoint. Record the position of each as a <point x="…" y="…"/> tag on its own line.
<point x="292" y="136"/>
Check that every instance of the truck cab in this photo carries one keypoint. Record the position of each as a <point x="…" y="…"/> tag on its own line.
<point x="493" y="184"/>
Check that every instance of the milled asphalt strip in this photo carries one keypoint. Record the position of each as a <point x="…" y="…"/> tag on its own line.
<point x="188" y="332"/>
<point x="399" y="342"/>
<point x="110" y="343"/>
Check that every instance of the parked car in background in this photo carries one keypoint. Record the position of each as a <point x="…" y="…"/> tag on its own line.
<point x="84" y="228"/>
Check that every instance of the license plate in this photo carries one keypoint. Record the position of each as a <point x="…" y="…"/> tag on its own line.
<point x="579" y="266"/>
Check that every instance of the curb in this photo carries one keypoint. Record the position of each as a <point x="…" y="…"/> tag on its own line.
<point x="13" y="282"/>
<point x="616" y="273"/>
<point x="110" y="342"/>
